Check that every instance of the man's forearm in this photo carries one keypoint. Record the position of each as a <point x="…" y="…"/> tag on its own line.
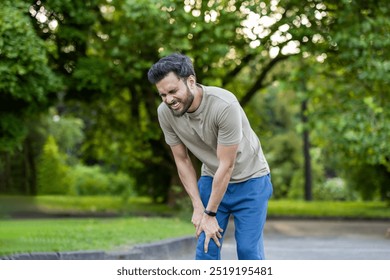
<point x="226" y="156"/>
<point x="187" y="174"/>
<point x="188" y="178"/>
<point x="220" y="183"/>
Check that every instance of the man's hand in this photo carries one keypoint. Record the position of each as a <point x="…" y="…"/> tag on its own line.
<point x="226" y="156"/>
<point x="197" y="216"/>
<point x="211" y="229"/>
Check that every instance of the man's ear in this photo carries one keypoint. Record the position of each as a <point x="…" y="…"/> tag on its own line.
<point x="191" y="80"/>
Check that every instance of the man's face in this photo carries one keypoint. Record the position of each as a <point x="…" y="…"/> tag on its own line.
<point x="176" y="93"/>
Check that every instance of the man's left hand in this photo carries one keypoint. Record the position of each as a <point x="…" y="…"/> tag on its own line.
<point x="211" y="229"/>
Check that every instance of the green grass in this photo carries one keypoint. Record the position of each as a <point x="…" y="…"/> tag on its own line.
<point x="23" y="205"/>
<point x="329" y="209"/>
<point x="57" y="235"/>
<point x="143" y="206"/>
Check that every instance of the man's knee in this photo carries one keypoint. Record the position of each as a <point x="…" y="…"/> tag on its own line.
<point x="250" y="252"/>
<point x="213" y="252"/>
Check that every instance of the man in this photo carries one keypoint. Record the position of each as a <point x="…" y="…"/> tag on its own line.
<point x="235" y="180"/>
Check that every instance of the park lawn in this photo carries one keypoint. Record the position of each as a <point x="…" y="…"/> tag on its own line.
<point x="86" y="205"/>
<point x="75" y="234"/>
<point x="143" y="206"/>
<point x="329" y="209"/>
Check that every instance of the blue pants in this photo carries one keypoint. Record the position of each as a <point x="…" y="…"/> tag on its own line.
<point x="247" y="202"/>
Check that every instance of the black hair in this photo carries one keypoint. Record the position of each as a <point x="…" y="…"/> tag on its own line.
<point x="179" y="64"/>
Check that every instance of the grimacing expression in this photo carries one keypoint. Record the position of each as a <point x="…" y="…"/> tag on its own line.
<point x="176" y="94"/>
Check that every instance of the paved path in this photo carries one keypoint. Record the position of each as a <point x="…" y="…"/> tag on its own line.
<point x="319" y="240"/>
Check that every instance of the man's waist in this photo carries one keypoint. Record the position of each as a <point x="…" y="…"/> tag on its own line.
<point x="241" y="176"/>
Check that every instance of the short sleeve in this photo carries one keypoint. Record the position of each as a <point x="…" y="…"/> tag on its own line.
<point x="170" y="136"/>
<point x="230" y="125"/>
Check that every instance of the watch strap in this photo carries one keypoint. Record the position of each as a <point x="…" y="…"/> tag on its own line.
<point x="210" y="213"/>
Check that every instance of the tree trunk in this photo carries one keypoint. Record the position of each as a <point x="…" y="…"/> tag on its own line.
<point x="29" y="168"/>
<point x="306" y="153"/>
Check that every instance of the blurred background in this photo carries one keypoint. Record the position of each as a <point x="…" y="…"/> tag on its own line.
<point x="78" y="115"/>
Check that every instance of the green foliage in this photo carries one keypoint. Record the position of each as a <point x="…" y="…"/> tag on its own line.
<point x="284" y="156"/>
<point x="275" y="117"/>
<point x="56" y="177"/>
<point x="121" y="123"/>
<point x="92" y="180"/>
<point x="371" y="181"/>
<point x="360" y="36"/>
<point x="13" y="130"/>
<point x="351" y="96"/>
<point x="25" y="78"/>
<point x="52" y="170"/>
<point x="296" y="186"/>
<point x="334" y="189"/>
<point x="108" y="108"/>
<point x="67" y="130"/>
<point x="117" y="57"/>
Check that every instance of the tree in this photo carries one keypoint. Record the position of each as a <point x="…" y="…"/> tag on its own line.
<point x="215" y="36"/>
<point x="98" y="49"/>
<point x="25" y="78"/>
<point x="352" y="119"/>
<point x="26" y="85"/>
<point x="52" y="170"/>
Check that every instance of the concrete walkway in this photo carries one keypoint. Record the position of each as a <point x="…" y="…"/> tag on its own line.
<point x="318" y="240"/>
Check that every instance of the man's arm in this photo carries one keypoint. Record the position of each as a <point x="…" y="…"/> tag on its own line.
<point x="188" y="178"/>
<point x="227" y="157"/>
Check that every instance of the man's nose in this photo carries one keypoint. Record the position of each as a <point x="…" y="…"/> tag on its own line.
<point x="169" y="99"/>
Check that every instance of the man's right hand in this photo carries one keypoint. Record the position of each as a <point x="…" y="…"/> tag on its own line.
<point x="197" y="216"/>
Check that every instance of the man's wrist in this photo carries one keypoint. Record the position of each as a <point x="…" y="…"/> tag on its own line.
<point x="210" y="213"/>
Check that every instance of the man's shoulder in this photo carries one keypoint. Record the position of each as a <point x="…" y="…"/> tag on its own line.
<point x="162" y="108"/>
<point x="220" y="94"/>
<point x="163" y="112"/>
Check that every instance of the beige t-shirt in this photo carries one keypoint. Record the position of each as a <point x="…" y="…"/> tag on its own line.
<point x="218" y="120"/>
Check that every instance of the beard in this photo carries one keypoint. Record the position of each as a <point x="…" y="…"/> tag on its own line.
<point x="185" y="103"/>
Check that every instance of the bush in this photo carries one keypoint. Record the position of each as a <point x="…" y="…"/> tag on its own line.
<point x="55" y="177"/>
<point x="92" y="180"/>
<point x="333" y="189"/>
<point x="372" y="182"/>
<point x="52" y="171"/>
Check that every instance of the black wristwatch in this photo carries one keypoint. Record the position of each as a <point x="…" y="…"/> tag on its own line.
<point x="210" y="213"/>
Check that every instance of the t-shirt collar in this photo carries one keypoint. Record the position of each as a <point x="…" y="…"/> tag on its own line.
<point x="201" y="105"/>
